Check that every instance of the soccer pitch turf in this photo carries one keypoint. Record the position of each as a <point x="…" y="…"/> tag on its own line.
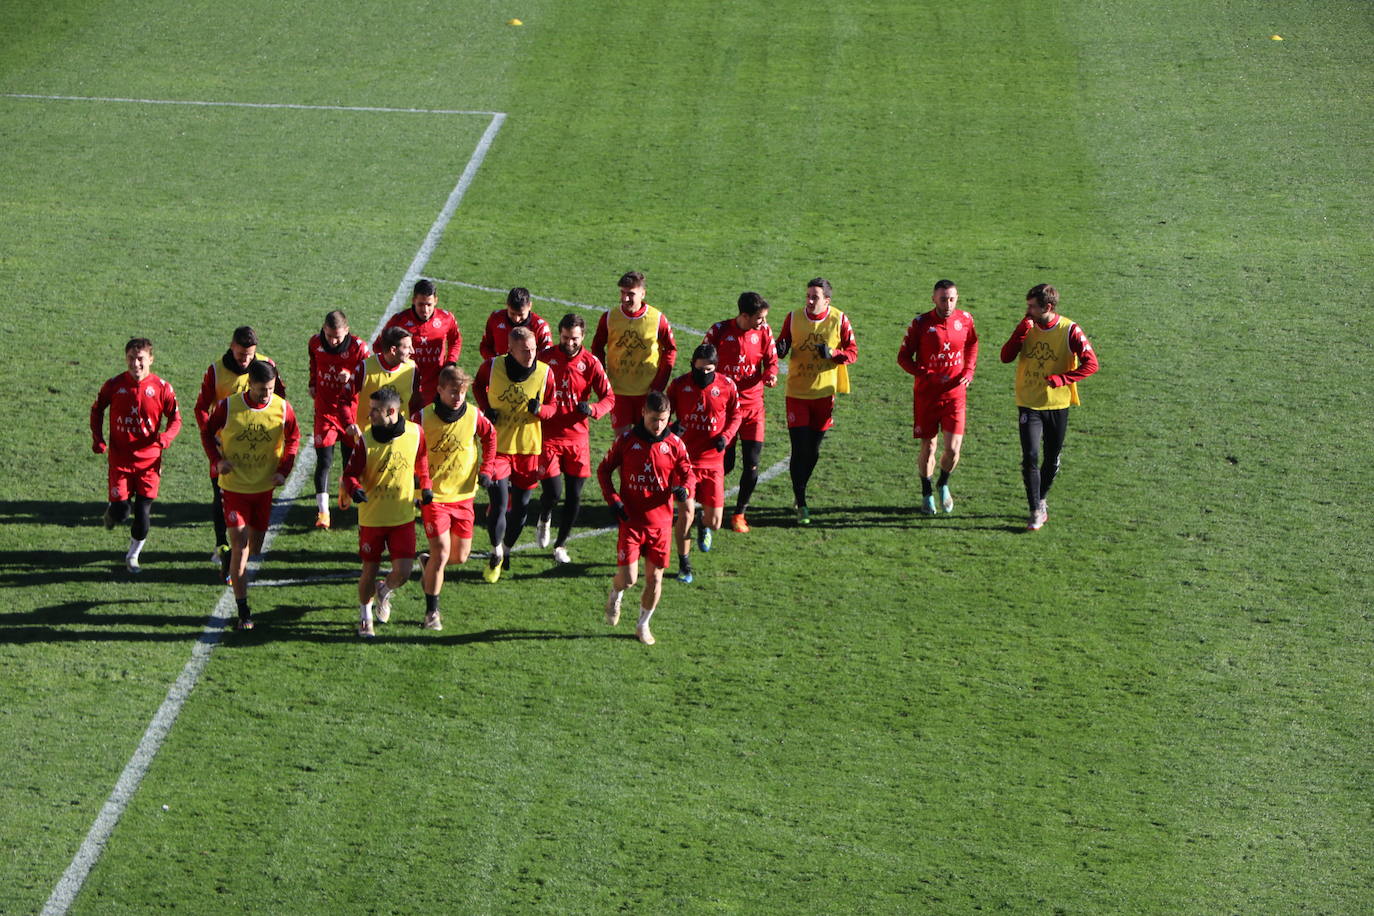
<point x="1160" y="703"/>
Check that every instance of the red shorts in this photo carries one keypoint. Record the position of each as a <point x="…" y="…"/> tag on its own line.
<point x="627" y="410"/>
<point x="523" y="470"/>
<point x="710" y="488"/>
<point x="571" y="458"/>
<point x="396" y="540"/>
<point x="633" y="540"/>
<point x="248" y="510"/>
<point x="440" y="518"/>
<point x="141" y="481"/>
<point x="329" y="428"/>
<point x="813" y="413"/>
<point x="751" y="422"/>
<point x="929" y="417"/>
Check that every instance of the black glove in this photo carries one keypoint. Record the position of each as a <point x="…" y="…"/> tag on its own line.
<point x="492" y="414"/>
<point x="824" y="351"/>
<point x="426" y="496"/>
<point x="680" y="493"/>
<point x="484" y="481"/>
<point x="676" y="428"/>
<point x="620" y="511"/>
<point x="784" y="346"/>
<point x="358" y="495"/>
<point x="584" y="408"/>
<point x="718" y="443"/>
<point x="533" y="406"/>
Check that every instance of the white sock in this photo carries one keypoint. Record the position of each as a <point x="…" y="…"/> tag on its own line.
<point x="383" y="589"/>
<point x="616" y="593"/>
<point x="644" y="615"/>
<point x="322" y="503"/>
<point x="135" y="548"/>
<point x="365" y="612"/>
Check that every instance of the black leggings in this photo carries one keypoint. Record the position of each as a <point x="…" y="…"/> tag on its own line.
<point x="1051" y="427"/>
<point x="143" y="515"/>
<point x="221" y="532"/>
<point x="504" y="525"/>
<point x="749" y="474"/>
<point x="552" y="493"/>
<point x="806" y="453"/>
<point x="324" y="458"/>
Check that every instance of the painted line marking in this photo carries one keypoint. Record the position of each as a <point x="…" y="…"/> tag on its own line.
<point x="72" y="880"/>
<point x="278" y="105"/>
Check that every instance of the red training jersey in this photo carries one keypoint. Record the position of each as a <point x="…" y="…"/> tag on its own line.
<point x="137" y="411"/>
<point x="335" y="375"/>
<point x="437" y="343"/>
<point x="649" y="470"/>
<point x="496" y="338"/>
<point x="749" y="358"/>
<point x="941" y="354"/>
<point x="575" y="378"/>
<point x="705" y="412"/>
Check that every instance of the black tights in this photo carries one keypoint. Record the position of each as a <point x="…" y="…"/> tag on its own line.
<point x="504" y="525"/>
<point x="143" y="515"/>
<point x="324" y="459"/>
<point x="552" y="493"/>
<point x="749" y="474"/>
<point x="221" y="532"/>
<point x="1036" y="425"/>
<point x="806" y="453"/>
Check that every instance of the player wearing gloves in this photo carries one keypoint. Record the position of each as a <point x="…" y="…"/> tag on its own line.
<point x="387" y="476"/>
<point x="654" y="471"/>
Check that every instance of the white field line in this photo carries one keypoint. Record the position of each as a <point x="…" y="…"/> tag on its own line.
<point x="72" y="880"/>
<point x="283" y="105"/>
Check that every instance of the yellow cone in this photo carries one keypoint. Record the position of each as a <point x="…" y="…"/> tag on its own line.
<point x="515" y="22"/>
<point x="1276" y="38"/>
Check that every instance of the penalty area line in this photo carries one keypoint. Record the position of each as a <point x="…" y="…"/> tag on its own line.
<point x="74" y="878"/>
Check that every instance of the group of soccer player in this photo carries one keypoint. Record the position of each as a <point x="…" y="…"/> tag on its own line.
<point x="399" y="412"/>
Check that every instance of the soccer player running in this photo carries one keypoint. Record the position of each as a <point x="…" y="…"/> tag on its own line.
<point x="1053" y="355"/>
<point x="635" y="344"/>
<point x="654" y="470"/>
<point x="940" y="350"/>
<point x="383" y="476"/>
<point x="516" y="392"/>
<point x="462" y="452"/>
<point x="745" y="348"/>
<point x="251" y="438"/>
<point x="336" y="371"/>
<point x="706" y="405"/>
<point x="144" y="420"/>
<point x="821" y="344"/>
<point x="517" y="314"/>
<point x="390" y="367"/>
<point x="566" y="461"/>
<point x="435" y="337"/>
<point x="227" y="376"/>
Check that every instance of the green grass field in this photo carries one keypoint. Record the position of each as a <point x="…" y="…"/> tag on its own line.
<point x="1159" y="704"/>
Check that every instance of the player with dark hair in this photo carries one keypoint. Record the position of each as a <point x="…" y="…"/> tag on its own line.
<point x="566" y="461"/>
<point x="516" y="392"/>
<point x="1053" y="355"/>
<point x="390" y="367"/>
<point x="706" y="405"/>
<point x="821" y="343"/>
<point x="940" y="350"/>
<point x="435" y="337"/>
<point x="635" y="343"/>
<point x="252" y="439"/>
<point x="144" y="420"/>
<point x="387" y="474"/>
<point x="336" y="371"/>
<point x="227" y="376"/>
<point x="654" y="470"/>
<point x="747" y="356"/>
<point x="517" y="313"/>
<point x="462" y="451"/>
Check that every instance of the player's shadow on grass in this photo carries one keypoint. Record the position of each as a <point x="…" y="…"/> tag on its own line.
<point x="62" y="567"/>
<point x="293" y="624"/>
<point x="89" y="514"/>
<point x="50" y="624"/>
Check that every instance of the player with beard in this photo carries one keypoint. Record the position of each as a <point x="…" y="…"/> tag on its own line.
<point x="434" y="335"/>
<point x="635" y="343"/>
<point x="516" y="314"/>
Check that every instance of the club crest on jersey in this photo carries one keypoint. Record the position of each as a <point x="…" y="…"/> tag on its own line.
<point x="754" y="338"/>
<point x="958" y="325"/>
<point x="715" y="392"/>
<point x="434" y="322"/>
<point x="149" y="391"/>
<point x="663" y="447"/>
